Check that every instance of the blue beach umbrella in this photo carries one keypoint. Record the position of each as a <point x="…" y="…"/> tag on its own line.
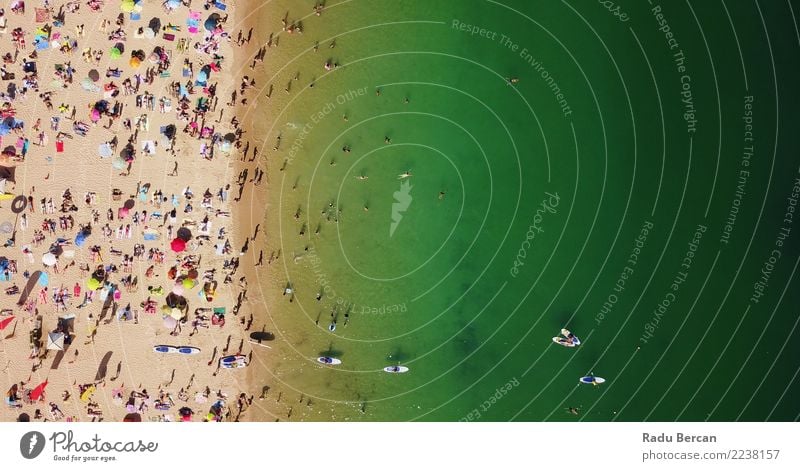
<point x="211" y="22"/>
<point x="43" y="279"/>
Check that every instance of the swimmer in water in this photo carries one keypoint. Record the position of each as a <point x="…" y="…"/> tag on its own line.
<point x="405" y="175"/>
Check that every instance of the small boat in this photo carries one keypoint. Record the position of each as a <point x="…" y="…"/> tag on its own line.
<point x="329" y="361"/>
<point x="592" y="380"/>
<point x="165" y="349"/>
<point x="188" y="350"/>
<point x="396" y="369"/>
<point x="233" y="361"/>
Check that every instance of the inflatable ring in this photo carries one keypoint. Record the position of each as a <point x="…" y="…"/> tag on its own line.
<point x="6" y="227"/>
<point x="19" y="204"/>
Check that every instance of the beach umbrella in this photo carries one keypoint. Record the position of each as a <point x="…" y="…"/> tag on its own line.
<point x="56" y="250"/>
<point x="87" y="85"/>
<point x="149" y="34"/>
<point x="5" y="322"/>
<point x="189" y="283"/>
<point x="115" y="53"/>
<point x="176" y="314"/>
<point x="169" y="131"/>
<point x="178" y="245"/>
<point x="135" y="61"/>
<point x="120" y="47"/>
<point x="155" y="24"/>
<point x="94" y="75"/>
<point x="95" y="115"/>
<point x="93" y="284"/>
<point x="211" y="22"/>
<point x="129" y="204"/>
<point x="85" y="395"/>
<point x="118" y="163"/>
<point x="192" y="274"/>
<point x="38" y="392"/>
<point x="172" y="4"/>
<point x="174" y="300"/>
<point x="170" y="323"/>
<point x="80" y="239"/>
<point x="132" y="417"/>
<point x="10" y="151"/>
<point x="49" y="259"/>
<point x="43" y="279"/>
<point x="55" y="341"/>
<point x="127" y="6"/>
<point x="184" y="234"/>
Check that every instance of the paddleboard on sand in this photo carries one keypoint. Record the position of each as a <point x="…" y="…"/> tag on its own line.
<point x="396" y="369"/>
<point x="165" y="349"/>
<point x="329" y="361"/>
<point x="592" y="380"/>
<point x="188" y="350"/>
<point x="233" y="361"/>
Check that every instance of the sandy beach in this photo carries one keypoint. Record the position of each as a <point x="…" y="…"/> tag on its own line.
<point x="123" y="140"/>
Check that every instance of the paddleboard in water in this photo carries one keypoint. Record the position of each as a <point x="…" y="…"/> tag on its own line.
<point x="563" y="341"/>
<point x="233" y="361"/>
<point x="592" y="380"/>
<point x="165" y="349"/>
<point x="329" y="361"/>
<point x="396" y="369"/>
<point x="568" y="339"/>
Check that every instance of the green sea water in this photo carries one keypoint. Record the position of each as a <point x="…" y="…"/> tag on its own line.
<point x="634" y="185"/>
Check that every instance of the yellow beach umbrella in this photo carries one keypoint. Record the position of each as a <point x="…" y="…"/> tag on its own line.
<point x="92" y="284"/>
<point x="127" y="6"/>
<point x="176" y="314"/>
<point x="88" y="393"/>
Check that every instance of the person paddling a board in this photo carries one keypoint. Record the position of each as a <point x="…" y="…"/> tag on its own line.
<point x="568" y="340"/>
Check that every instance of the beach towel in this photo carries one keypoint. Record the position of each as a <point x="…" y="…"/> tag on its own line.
<point x="221" y="6"/>
<point x="193" y="22"/>
<point x="59" y="146"/>
<point x="42" y="15"/>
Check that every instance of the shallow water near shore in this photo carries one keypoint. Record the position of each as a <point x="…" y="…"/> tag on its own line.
<point x="472" y="219"/>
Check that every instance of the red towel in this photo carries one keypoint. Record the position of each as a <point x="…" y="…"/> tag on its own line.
<point x="59" y="146"/>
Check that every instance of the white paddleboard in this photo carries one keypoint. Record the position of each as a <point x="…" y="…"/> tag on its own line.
<point x="396" y="369"/>
<point x="592" y="380"/>
<point x="329" y="361"/>
<point x="564" y="342"/>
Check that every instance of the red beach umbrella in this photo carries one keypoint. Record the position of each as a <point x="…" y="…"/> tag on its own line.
<point x="4" y="323"/>
<point x="178" y="245"/>
<point x="38" y="391"/>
